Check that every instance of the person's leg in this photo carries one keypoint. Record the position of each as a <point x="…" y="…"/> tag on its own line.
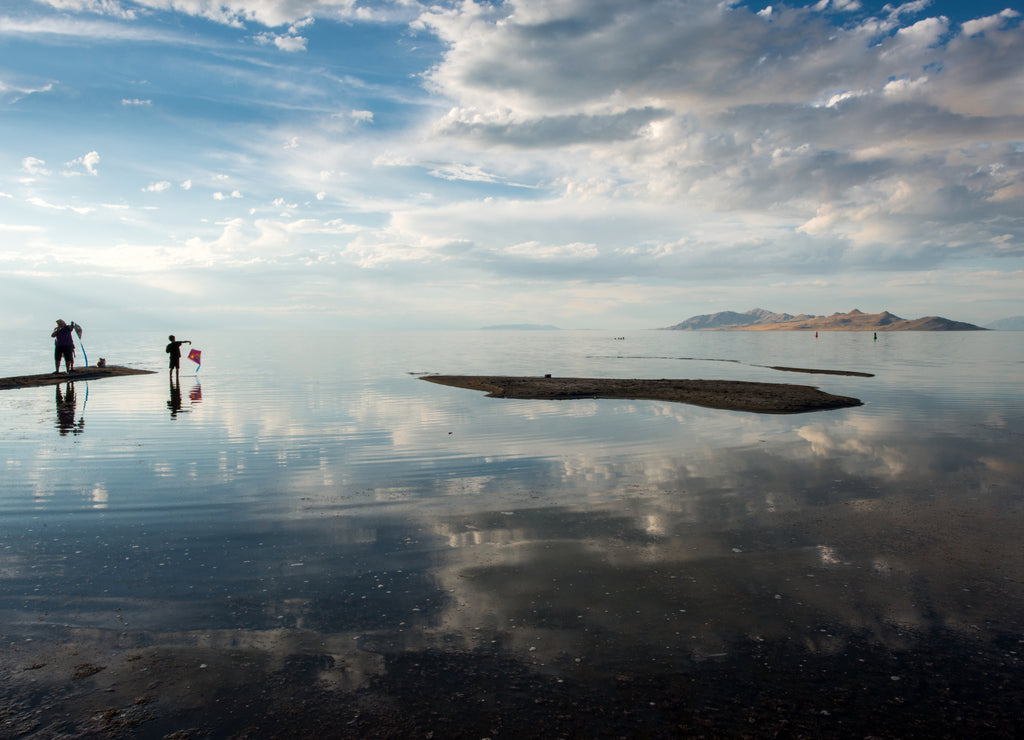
<point x="56" y="359"/>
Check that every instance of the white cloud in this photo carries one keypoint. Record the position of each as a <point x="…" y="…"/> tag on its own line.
<point x="87" y="162"/>
<point x="157" y="187"/>
<point x="34" y="166"/>
<point x="42" y="203"/>
<point x="713" y="114"/>
<point x="102" y="7"/>
<point x="270" y="13"/>
<point x="989" y="23"/>
<point x="284" y="42"/>
<point x="135" y="102"/>
<point x="12" y="93"/>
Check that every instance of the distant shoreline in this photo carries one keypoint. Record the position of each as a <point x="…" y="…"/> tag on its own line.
<point x="731" y="395"/>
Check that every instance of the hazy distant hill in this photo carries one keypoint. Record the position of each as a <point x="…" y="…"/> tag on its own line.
<point x="1014" y="323"/>
<point x="521" y="327"/>
<point x="734" y="320"/>
<point x="760" y="320"/>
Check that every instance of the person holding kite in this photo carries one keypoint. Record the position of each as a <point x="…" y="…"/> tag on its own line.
<point x="174" y="350"/>
<point x="64" y="345"/>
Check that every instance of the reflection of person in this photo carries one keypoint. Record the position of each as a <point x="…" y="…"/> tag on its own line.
<point x="63" y="345"/>
<point x="66" y="411"/>
<point x="174" y="403"/>
<point x="174" y="350"/>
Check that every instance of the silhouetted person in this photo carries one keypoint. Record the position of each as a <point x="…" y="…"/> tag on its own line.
<point x="63" y="345"/>
<point x="66" y="411"/>
<point x="174" y="350"/>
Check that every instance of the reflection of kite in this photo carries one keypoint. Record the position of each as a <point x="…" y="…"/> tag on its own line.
<point x="194" y="355"/>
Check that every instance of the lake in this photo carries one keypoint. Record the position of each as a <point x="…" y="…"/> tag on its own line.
<point x="304" y="537"/>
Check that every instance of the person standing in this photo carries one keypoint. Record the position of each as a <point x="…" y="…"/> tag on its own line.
<point x="63" y="345"/>
<point x="174" y="350"/>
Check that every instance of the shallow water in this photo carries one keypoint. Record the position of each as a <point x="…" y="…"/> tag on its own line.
<point x="310" y="497"/>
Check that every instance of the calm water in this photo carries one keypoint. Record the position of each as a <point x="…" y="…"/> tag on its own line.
<point x="309" y="495"/>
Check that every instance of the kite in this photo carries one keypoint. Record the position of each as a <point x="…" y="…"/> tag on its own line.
<point x="78" y="331"/>
<point x="194" y="355"/>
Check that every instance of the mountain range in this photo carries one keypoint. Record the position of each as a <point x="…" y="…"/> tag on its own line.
<point x="758" y="319"/>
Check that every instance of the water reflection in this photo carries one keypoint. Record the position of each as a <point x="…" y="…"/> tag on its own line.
<point x="66" y="410"/>
<point x="678" y="559"/>
<point x="174" y="403"/>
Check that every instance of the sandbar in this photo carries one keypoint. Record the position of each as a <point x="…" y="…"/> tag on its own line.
<point x="85" y="373"/>
<point x="816" y="371"/>
<point x="733" y="395"/>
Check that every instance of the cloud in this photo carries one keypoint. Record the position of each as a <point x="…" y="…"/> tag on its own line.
<point x="857" y="132"/>
<point x="12" y="93"/>
<point x="112" y="8"/>
<point x="135" y="102"/>
<point x="284" y="42"/>
<point x="506" y="128"/>
<point x="157" y="187"/>
<point x="34" y="166"/>
<point x="989" y="23"/>
<point x="87" y="162"/>
<point x="42" y="203"/>
<point x="269" y="13"/>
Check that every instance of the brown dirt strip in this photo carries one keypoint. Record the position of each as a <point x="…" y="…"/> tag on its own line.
<point x="818" y="372"/>
<point x="734" y="395"/>
<point x="86" y="373"/>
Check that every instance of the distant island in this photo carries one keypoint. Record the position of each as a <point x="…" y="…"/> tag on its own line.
<point x="759" y="319"/>
<point x="520" y="327"/>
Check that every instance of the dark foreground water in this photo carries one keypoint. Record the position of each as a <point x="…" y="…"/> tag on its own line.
<point x="306" y="538"/>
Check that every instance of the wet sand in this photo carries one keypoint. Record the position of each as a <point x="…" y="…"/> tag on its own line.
<point x="712" y="653"/>
<point x="733" y="395"/>
<point x="762" y="690"/>
<point x="85" y="373"/>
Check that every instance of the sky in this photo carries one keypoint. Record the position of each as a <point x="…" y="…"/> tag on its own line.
<point x="591" y="164"/>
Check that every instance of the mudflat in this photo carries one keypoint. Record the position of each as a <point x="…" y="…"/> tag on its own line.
<point x="85" y="373"/>
<point x="734" y="395"/>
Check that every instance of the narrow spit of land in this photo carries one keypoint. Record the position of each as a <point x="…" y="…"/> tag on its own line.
<point x="734" y="395"/>
<point x="85" y="373"/>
